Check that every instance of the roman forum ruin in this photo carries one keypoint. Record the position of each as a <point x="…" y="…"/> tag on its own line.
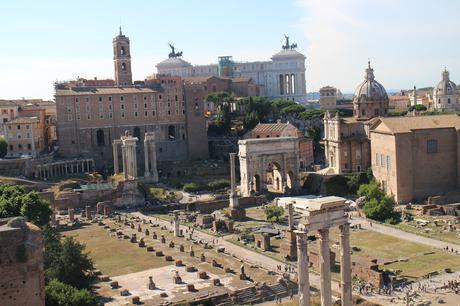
<point x="323" y="214"/>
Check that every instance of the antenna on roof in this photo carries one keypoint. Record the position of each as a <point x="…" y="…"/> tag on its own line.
<point x="120" y="27"/>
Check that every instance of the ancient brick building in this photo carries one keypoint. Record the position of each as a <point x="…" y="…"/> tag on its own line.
<point x="21" y="263"/>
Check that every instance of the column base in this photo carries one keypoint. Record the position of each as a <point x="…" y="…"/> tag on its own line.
<point x="288" y="247"/>
<point x="237" y="213"/>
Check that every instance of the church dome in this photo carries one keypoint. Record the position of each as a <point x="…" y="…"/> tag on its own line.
<point x="446" y="86"/>
<point x="370" y="89"/>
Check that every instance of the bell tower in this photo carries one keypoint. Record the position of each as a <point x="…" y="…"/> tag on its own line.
<point x="122" y="60"/>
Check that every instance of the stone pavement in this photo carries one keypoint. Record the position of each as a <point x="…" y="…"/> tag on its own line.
<point x="387" y="230"/>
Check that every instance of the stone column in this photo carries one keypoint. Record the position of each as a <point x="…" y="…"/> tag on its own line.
<point x="345" y="264"/>
<point x="290" y="217"/>
<point x="302" y="269"/>
<point x="176" y="225"/>
<point x="71" y="212"/>
<point x="153" y="161"/>
<point x="233" y="196"/>
<point x="325" y="267"/>
<point x="134" y="159"/>
<point x="115" y="157"/>
<point x="124" y="157"/>
<point x="146" y="157"/>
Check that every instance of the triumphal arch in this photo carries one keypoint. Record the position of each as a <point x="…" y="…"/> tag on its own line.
<point x="269" y="164"/>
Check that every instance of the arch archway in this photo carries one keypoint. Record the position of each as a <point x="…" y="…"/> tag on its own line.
<point x="274" y="177"/>
<point x="256" y="183"/>
<point x="100" y="139"/>
<point x="290" y="180"/>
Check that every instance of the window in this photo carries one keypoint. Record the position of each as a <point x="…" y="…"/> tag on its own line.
<point x="432" y="146"/>
<point x="135" y="105"/>
<point x="145" y="113"/>
<point x="135" y="114"/>
<point x="100" y="99"/>
<point x="110" y="99"/>
<point x="100" y="138"/>
<point x="122" y="114"/>
<point x="377" y="159"/>
<point x="145" y="105"/>
<point x="110" y="115"/>
<point x="29" y="147"/>
<point x="382" y="160"/>
<point x="388" y="162"/>
<point x="122" y="106"/>
<point x="11" y="147"/>
<point x="122" y="98"/>
<point x="27" y="127"/>
<point x="69" y="117"/>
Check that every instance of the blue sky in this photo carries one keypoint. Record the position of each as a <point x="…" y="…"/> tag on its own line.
<point x="409" y="42"/>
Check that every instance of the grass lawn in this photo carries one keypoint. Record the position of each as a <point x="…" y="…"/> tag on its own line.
<point x="376" y="245"/>
<point x="432" y="231"/>
<point x="112" y="256"/>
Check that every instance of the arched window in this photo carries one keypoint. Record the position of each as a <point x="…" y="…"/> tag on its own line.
<point x="123" y="66"/>
<point x="448" y="100"/>
<point x="293" y="84"/>
<point x="137" y="133"/>
<point x="122" y="51"/>
<point x="281" y="84"/>
<point x="100" y="138"/>
<point x="171" y="132"/>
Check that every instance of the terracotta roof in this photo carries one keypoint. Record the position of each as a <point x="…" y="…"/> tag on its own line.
<point x="270" y="129"/>
<point x="103" y="91"/>
<point x="395" y="125"/>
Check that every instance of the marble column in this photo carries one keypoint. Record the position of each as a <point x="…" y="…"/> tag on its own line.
<point x="153" y="161"/>
<point x="115" y="157"/>
<point x="302" y="268"/>
<point x="345" y="265"/>
<point x="290" y="217"/>
<point x="146" y="157"/>
<point x="233" y="196"/>
<point x="125" y="166"/>
<point x="325" y="267"/>
<point x="176" y="225"/>
<point x="134" y="158"/>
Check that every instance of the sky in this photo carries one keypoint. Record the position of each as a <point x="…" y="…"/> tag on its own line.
<point x="408" y="42"/>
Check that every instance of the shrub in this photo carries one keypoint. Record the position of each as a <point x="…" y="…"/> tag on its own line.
<point x="218" y="184"/>
<point x="61" y="294"/>
<point x="356" y="180"/>
<point x="379" y="210"/>
<point x="273" y="213"/>
<point x="192" y="187"/>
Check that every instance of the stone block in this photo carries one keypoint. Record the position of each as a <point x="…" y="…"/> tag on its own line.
<point x="114" y="285"/>
<point x="124" y="292"/>
<point x="181" y="248"/>
<point x="169" y="258"/>
<point x="216" y="282"/>
<point x="191" y="288"/>
<point x="150" y="249"/>
<point x="190" y="269"/>
<point x="179" y="263"/>
<point x="202" y="275"/>
<point x="136" y="299"/>
<point x="159" y="253"/>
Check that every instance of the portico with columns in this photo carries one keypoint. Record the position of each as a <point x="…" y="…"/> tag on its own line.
<point x="320" y="215"/>
<point x="64" y="168"/>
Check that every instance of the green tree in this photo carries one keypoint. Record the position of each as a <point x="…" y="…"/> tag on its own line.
<point x="60" y="294"/>
<point x="379" y="210"/>
<point x="250" y="120"/>
<point x="273" y="213"/>
<point x="15" y="201"/>
<point x="224" y="119"/>
<point x="280" y="104"/>
<point x="67" y="261"/>
<point x="260" y="105"/>
<point x="371" y="191"/>
<point x="3" y="147"/>
<point x="293" y="109"/>
<point x="357" y="180"/>
<point x="218" y="98"/>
